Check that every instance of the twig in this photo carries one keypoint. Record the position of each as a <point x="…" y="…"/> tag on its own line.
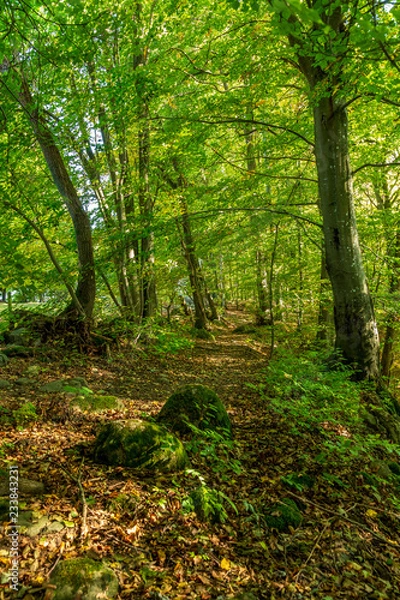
<point x="340" y="516"/>
<point x="77" y="480"/>
<point x="296" y="578"/>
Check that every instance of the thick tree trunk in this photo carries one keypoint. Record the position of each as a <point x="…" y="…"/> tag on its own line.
<point x="357" y="337"/>
<point x="86" y="287"/>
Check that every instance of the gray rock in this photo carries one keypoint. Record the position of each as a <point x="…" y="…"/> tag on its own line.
<point x="26" y="487"/>
<point x="53" y="386"/>
<point x="35" y="528"/>
<point x="83" y="578"/>
<point x="55" y="527"/>
<point x="64" y="385"/>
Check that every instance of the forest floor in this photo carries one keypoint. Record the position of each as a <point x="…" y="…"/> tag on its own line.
<point x="348" y="543"/>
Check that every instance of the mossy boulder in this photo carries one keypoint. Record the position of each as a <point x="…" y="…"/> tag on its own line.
<point x="17" y="350"/>
<point x="195" y="405"/>
<point x="96" y="403"/>
<point x="283" y="515"/>
<point x="83" y="578"/>
<point x="65" y="385"/>
<point x="139" y="444"/>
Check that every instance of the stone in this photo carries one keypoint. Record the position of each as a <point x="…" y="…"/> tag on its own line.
<point x="96" y="403"/>
<point x="283" y="515"/>
<point x="36" y="527"/>
<point x="26" y="487"/>
<point x="55" y="527"/>
<point x="139" y="444"/>
<point x="3" y="359"/>
<point x="24" y="381"/>
<point x="53" y="386"/>
<point x="4" y="384"/>
<point x="20" y="336"/>
<point x="65" y="385"/>
<point x="17" y="350"/>
<point x="76" y="382"/>
<point x="198" y="406"/>
<point x="83" y="578"/>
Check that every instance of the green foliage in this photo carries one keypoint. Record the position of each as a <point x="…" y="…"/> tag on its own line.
<point x="209" y="504"/>
<point x="25" y="414"/>
<point x="216" y="450"/>
<point x="326" y="405"/>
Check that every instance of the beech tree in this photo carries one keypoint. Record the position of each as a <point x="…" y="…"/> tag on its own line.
<point x="321" y="42"/>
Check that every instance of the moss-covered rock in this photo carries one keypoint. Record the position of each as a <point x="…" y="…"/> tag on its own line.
<point x="283" y="515"/>
<point x="207" y="504"/>
<point x="141" y="445"/>
<point x="195" y="405"/>
<point x="65" y="385"/>
<point x="96" y="403"/>
<point x="17" y="350"/>
<point x="246" y="328"/>
<point x="83" y="578"/>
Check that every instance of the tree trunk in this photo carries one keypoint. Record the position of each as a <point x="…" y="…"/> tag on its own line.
<point x="149" y="299"/>
<point x="357" y="338"/>
<point x="86" y="287"/>
<point x="325" y="308"/>
<point x="200" y="320"/>
<point x="392" y="320"/>
<point x="262" y="291"/>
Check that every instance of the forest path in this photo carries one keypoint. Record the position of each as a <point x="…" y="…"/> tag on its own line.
<point x="225" y="363"/>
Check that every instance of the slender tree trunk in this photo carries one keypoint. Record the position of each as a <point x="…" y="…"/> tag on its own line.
<point x="192" y="262"/>
<point x="393" y="319"/>
<point x="300" y="300"/>
<point x="325" y="308"/>
<point x="262" y="291"/>
<point x="86" y="286"/>
<point x="271" y="291"/>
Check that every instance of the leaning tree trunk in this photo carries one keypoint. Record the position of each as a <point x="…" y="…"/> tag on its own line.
<point x="86" y="287"/>
<point x="189" y="249"/>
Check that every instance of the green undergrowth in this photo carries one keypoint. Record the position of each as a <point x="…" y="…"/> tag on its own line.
<point x="313" y="401"/>
<point x="153" y="335"/>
